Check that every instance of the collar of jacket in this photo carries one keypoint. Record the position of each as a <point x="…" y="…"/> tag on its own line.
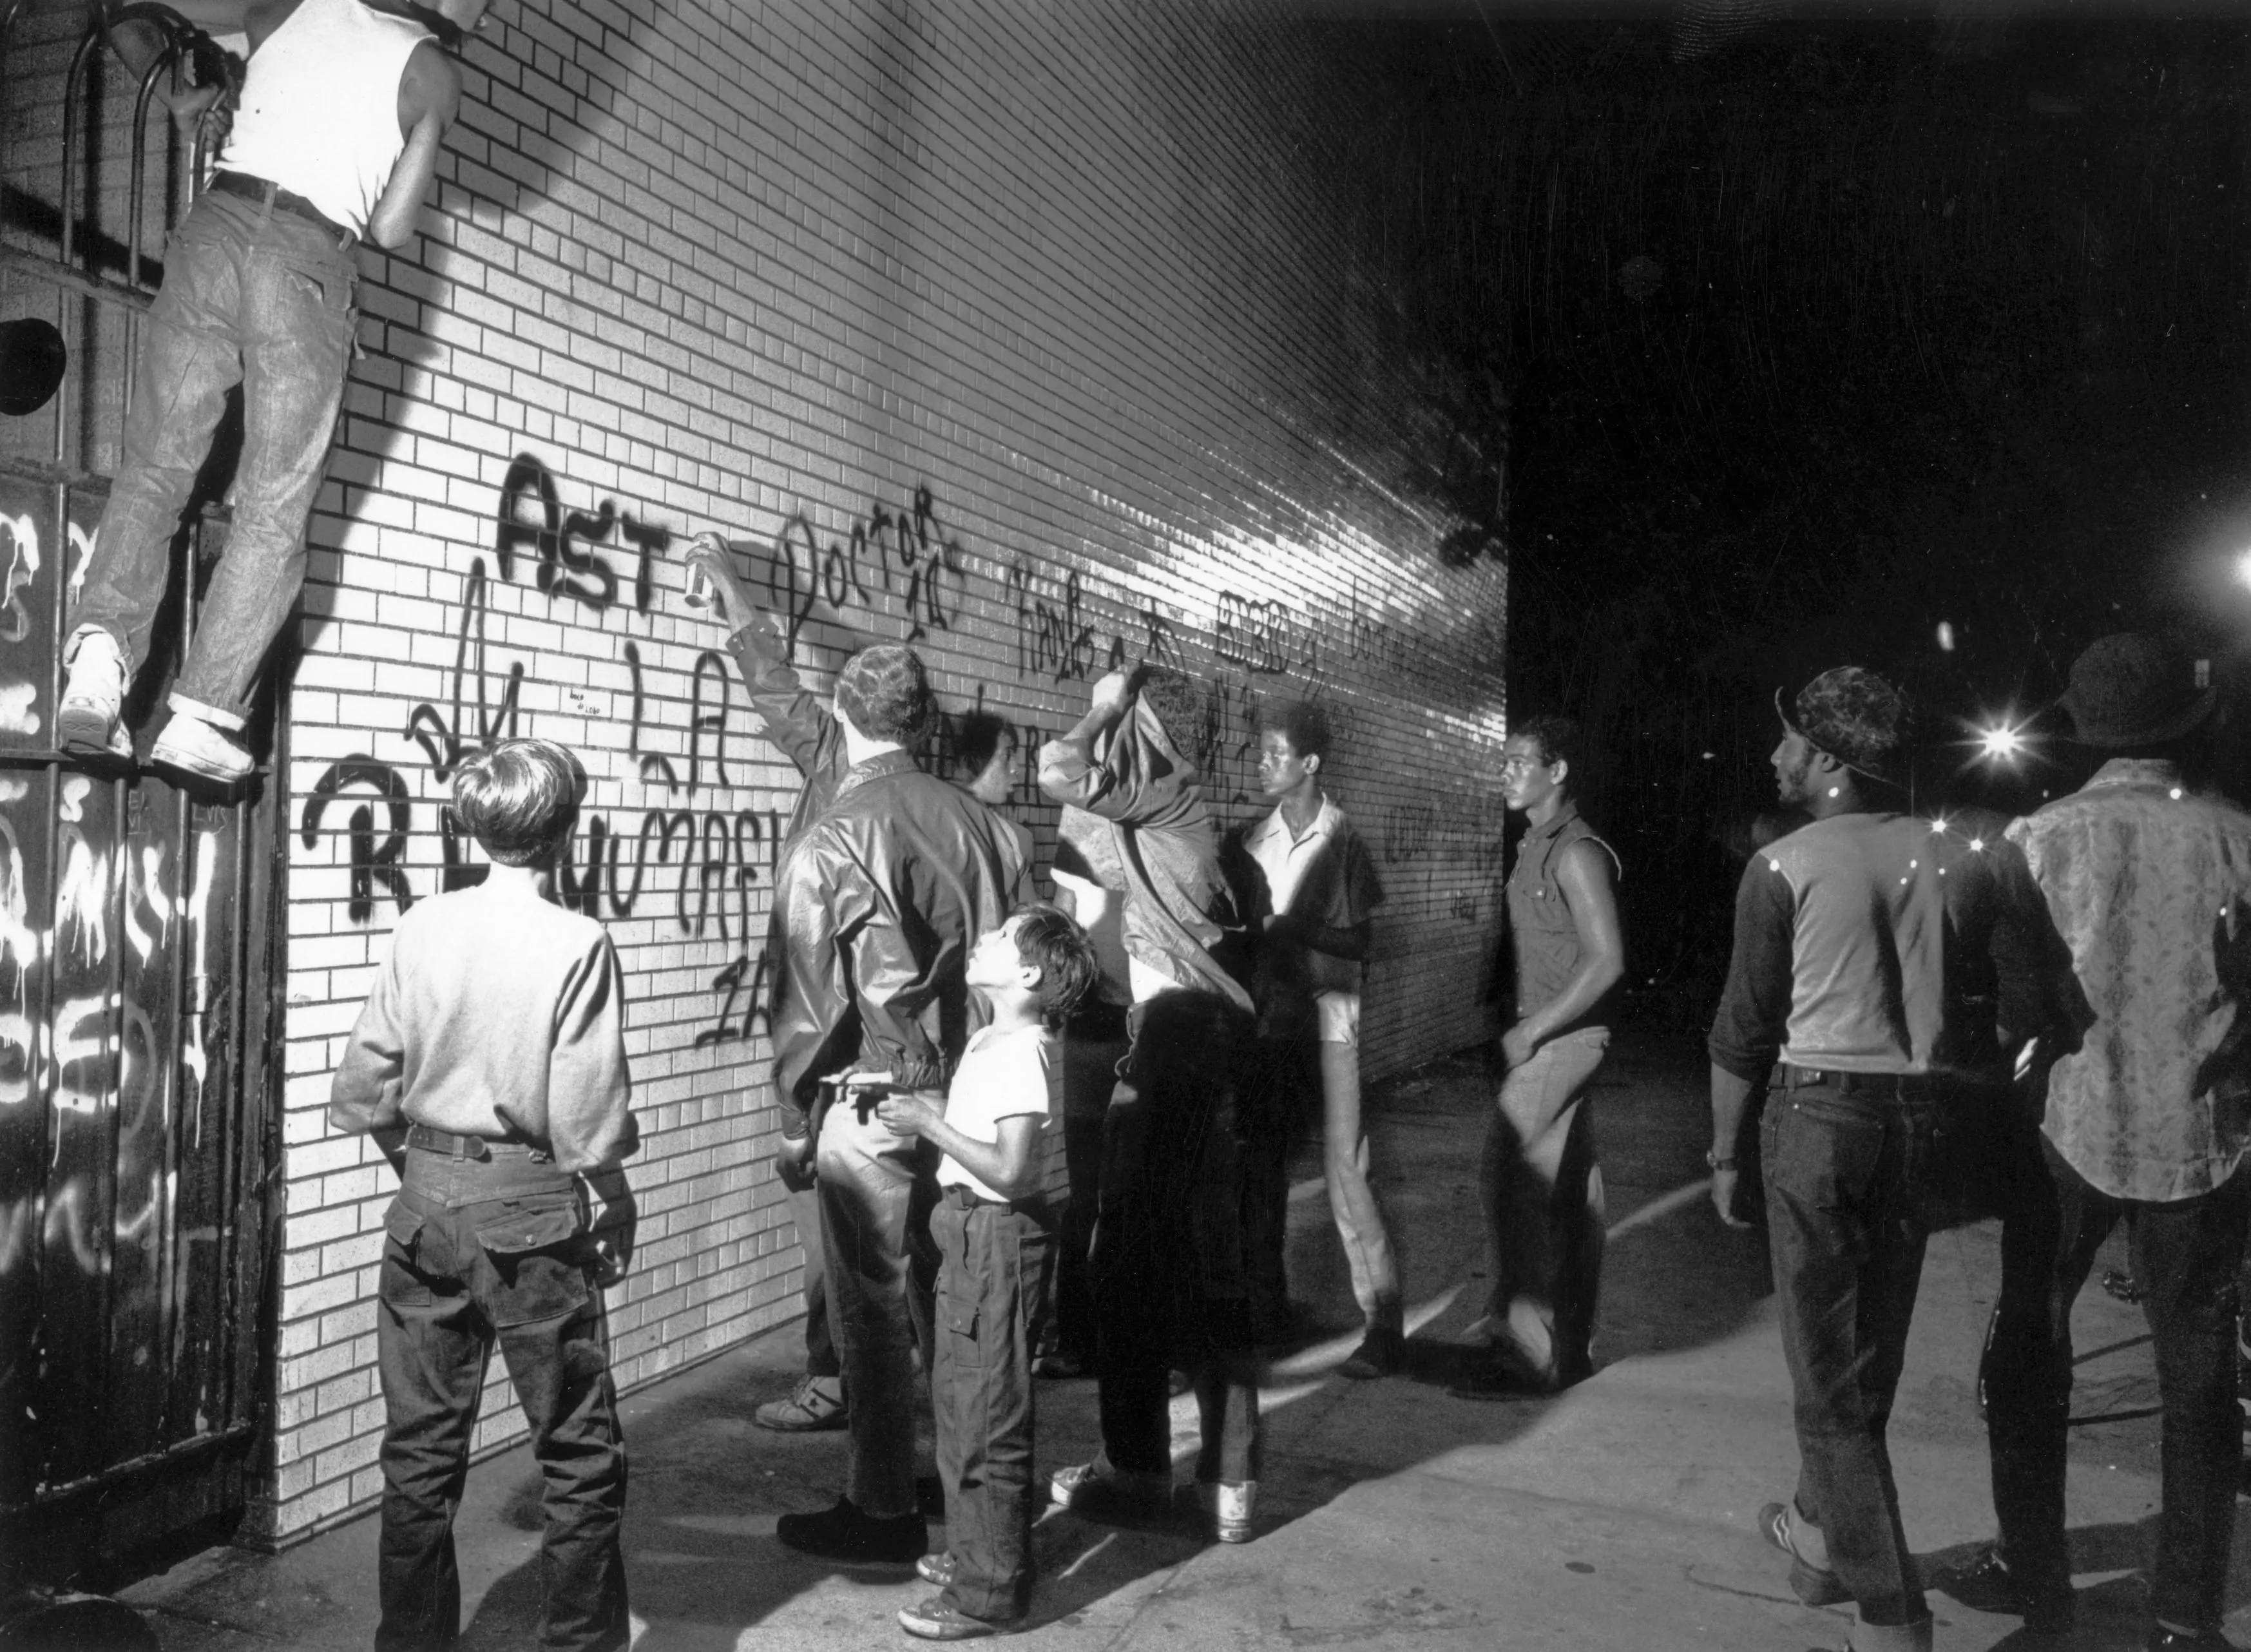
<point x="898" y="761"/>
<point x="1564" y="816"/>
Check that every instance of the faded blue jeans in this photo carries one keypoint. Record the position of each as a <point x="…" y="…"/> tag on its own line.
<point x="254" y="297"/>
<point x="479" y="1252"/>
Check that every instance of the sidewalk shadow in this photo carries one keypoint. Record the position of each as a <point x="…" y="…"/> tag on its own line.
<point x="2112" y="1611"/>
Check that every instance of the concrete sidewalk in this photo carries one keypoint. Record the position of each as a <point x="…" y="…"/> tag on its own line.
<point x="1618" y="1516"/>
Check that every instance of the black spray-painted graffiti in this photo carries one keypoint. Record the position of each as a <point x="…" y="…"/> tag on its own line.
<point x="531" y="515"/>
<point x="476" y="723"/>
<point x="909" y="548"/>
<point x="1264" y="637"/>
<point x="703" y="863"/>
<point x="371" y="863"/>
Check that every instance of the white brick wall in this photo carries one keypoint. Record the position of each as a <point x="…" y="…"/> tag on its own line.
<point x="1075" y="278"/>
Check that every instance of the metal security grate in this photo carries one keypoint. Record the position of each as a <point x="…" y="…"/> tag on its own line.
<point x="139" y="1070"/>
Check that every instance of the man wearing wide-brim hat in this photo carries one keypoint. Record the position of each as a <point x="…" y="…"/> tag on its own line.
<point x="1866" y="965"/>
<point x="2147" y="1119"/>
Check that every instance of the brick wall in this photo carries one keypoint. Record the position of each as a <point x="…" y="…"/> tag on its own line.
<point x="1039" y="336"/>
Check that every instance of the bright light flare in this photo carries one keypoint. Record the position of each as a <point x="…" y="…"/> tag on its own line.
<point x="2243" y="567"/>
<point x="2001" y="744"/>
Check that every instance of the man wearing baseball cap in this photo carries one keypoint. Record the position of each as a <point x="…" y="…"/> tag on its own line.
<point x="1871" y="947"/>
<point x="2144" y="1071"/>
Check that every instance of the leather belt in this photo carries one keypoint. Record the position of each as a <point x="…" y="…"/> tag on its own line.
<point x="430" y="1139"/>
<point x="1908" y="1086"/>
<point x="281" y="200"/>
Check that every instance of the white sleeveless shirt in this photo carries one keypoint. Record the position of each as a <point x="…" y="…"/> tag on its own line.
<point x="319" y="114"/>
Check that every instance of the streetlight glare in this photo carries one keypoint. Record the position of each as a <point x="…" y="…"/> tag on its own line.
<point x="2001" y="743"/>
<point x="2243" y="566"/>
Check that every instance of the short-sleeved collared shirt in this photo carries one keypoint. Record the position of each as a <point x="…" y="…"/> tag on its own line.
<point x="2146" y="884"/>
<point x="1285" y="859"/>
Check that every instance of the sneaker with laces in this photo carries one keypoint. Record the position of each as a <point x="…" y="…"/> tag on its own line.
<point x="1227" y="1504"/>
<point x="94" y="696"/>
<point x="816" y="1404"/>
<point x="201" y="750"/>
<point x="936" y="1567"/>
<point x="1101" y="1492"/>
<point x="935" y="1621"/>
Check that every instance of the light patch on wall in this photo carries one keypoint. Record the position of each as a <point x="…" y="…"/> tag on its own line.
<point x="16" y="716"/>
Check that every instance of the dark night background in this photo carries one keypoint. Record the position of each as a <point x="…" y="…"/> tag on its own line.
<point x="1767" y="338"/>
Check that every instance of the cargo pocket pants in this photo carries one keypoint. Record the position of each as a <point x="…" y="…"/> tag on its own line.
<point x="477" y="1252"/>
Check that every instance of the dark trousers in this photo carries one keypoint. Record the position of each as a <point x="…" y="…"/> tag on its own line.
<point x="1546" y="1209"/>
<point x="477" y="1252"/>
<point x="2185" y="1253"/>
<point x="1845" y="1221"/>
<point x="1283" y="1071"/>
<point x="1092" y="1047"/>
<point x="1171" y="1279"/>
<point x="993" y="1281"/>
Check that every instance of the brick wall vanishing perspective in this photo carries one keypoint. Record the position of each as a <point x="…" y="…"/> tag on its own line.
<point x="1037" y="335"/>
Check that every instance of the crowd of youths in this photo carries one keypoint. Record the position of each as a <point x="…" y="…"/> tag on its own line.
<point x="2057" y="995"/>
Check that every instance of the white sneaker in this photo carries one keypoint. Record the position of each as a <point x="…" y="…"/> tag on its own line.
<point x="1102" y="1491"/>
<point x="1228" y="1504"/>
<point x="94" y="694"/>
<point x="201" y="750"/>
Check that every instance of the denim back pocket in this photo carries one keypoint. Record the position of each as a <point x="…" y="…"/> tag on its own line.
<point x="1823" y="1156"/>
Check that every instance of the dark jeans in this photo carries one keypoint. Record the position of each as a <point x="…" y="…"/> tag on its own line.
<point x="2186" y="1252"/>
<point x="993" y="1280"/>
<point x="479" y="1252"/>
<point x="1171" y="1275"/>
<point x="253" y="297"/>
<point x="1845" y="1221"/>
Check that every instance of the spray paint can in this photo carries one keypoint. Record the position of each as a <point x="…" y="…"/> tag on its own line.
<point x="701" y="597"/>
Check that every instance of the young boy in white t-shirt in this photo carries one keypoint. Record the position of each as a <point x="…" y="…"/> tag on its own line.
<point x="1003" y="1188"/>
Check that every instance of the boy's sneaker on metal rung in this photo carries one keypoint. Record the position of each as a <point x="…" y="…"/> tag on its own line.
<point x="94" y="696"/>
<point x="201" y="750"/>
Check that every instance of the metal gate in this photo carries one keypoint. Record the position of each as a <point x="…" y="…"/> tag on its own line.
<point x="139" y="926"/>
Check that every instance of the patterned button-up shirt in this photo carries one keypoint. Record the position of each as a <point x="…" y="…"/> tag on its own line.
<point x="2146" y="883"/>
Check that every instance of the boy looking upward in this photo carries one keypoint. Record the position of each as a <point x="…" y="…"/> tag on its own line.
<point x="996" y="1226"/>
<point x="493" y="1040"/>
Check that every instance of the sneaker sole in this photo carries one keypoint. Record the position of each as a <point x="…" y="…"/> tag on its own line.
<point x="826" y="1424"/>
<point x="91" y="733"/>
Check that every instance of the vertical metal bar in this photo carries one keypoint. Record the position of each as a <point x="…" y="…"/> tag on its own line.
<point x="73" y="96"/>
<point x="169" y="1271"/>
<point x="114" y="1035"/>
<point x="244" y="1133"/>
<point x="44" y="1070"/>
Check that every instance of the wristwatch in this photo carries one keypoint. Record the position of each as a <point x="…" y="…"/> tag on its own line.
<point x="1714" y="1162"/>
